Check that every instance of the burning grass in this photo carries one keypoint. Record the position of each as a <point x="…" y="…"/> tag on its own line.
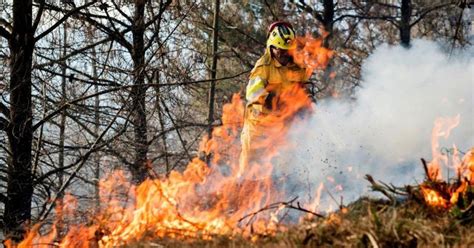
<point x="432" y="214"/>
<point x="366" y="222"/>
<point x="408" y="218"/>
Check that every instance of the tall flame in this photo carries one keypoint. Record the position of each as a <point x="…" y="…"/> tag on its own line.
<point x="442" y="128"/>
<point x="439" y="193"/>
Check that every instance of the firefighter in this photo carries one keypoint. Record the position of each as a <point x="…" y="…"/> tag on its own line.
<point x="273" y="73"/>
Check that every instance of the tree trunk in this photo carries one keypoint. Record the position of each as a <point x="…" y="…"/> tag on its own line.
<point x="139" y="170"/>
<point x="62" y="125"/>
<point x="96" y="129"/>
<point x="328" y="17"/>
<point x="405" y="27"/>
<point x="17" y="212"/>
<point x="212" y="84"/>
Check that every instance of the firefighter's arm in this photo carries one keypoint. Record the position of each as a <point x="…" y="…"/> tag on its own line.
<point x="255" y="91"/>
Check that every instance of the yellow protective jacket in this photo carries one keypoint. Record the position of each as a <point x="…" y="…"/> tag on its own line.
<point x="268" y="77"/>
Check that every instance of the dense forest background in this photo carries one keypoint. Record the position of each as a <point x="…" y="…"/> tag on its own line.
<point x="87" y="87"/>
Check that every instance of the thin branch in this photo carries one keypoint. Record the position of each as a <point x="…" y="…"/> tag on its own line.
<point x="121" y="12"/>
<point x="276" y="205"/>
<point x="101" y="82"/>
<point x="38" y="15"/>
<point x="299" y="208"/>
<point x="147" y="24"/>
<point x="275" y="17"/>
<point x="391" y="19"/>
<point x="427" y="172"/>
<point x="265" y="208"/>
<point x="109" y="18"/>
<point x="380" y="188"/>
<point x="246" y="34"/>
<point x="66" y="105"/>
<point x="177" y="130"/>
<point x="333" y="198"/>
<point x="115" y="35"/>
<point x="80" y="163"/>
<point x="458" y="27"/>
<point x="197" y="137"/>
<point x="174" y="128"/>
<point x="160" y="14"/>
<point x="395" y="190"/>
<point x="74" y="53"/>
<point x="427" y="11"/>
<point x="387" y="5"/>
<point x="63" y="19"/>
<point x="167" y="37"/>
<point x="112" y="20"/>
<point x="43" y="177"/>
<point x="303" y="6"/>
<point x="119" y="36"/>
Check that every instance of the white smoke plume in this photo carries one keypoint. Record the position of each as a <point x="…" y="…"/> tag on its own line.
<point x="387" y="129"/>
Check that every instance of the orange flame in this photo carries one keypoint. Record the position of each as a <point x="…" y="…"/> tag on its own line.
<point x="75" y="237"/>
<point x="461" y="189"/>
<point x="469" y="161"/>
<point x="207" y="200"/>
<point x="311" y="54"/>
<point x="433" y="198"/>
<point x="447" y="195"/>
<point x="442" y="128"/>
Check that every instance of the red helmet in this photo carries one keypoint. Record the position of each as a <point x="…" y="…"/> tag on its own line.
<point x="279" y="23"/>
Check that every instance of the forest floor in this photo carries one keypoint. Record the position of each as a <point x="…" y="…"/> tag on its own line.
<point x="367" y="222"/>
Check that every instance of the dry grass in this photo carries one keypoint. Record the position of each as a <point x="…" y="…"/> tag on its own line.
<point x="364" y="223"/>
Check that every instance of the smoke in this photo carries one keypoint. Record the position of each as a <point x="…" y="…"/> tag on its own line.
<point x="387" y="129"/>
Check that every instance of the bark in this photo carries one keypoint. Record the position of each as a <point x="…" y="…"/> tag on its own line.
<point x="62" y="124"/>
<point x="213" y="72"/>
<point x="139" y="170"/>
<point x="328" y="17"/>
<point x="17" y="211"/>
<point x="96" y="127"/>
<point x="405" y="27"/>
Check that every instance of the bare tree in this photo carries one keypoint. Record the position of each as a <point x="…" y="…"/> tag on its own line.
<point x="20" y="134"/>
<point x="21" y="40"/>
<point x="213" y="71"/>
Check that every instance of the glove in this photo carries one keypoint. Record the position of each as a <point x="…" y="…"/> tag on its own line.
<point x="269" y="100"/>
